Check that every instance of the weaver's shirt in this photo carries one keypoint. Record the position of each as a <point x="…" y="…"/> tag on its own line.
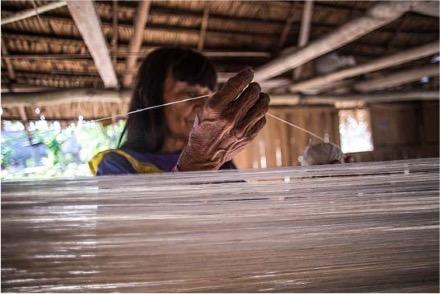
<point x="126" y="161"/>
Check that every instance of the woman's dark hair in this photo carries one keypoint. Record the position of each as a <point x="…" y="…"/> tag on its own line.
<point x="147" y="130"/>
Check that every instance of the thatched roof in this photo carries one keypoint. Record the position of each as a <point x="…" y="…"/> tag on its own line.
<point x="48" y="51"/>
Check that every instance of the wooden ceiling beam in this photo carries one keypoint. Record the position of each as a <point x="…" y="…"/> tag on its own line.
<point x="374" y="65"/>
<point x="390" y="96"/>
<point x="88" y="23"/>
<point x="32" y="12"/>
<point x="257" y="22"/>
<point x="123" y="29"/>
<point x="57" y="97"/>
<point x="136" y="40"/>
<point x="357" y="49"/>
<point x="52" y="98"/>
<point x="376" y="17"/>
<point x="397" y="79"/>
<point x="145" y="50"/>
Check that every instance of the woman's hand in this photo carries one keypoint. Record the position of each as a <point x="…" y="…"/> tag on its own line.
<point x="228" y="121"/>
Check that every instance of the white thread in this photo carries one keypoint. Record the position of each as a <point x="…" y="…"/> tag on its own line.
<point x="151" y="107"/>
<point x="295" y="126"/>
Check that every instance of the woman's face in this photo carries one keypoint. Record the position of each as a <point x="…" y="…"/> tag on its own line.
<point x="180" y="117"/>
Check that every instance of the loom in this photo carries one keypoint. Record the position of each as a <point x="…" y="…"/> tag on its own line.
<point x="331" y="228"/>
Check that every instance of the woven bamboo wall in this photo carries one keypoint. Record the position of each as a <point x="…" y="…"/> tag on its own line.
<point x="280" y="145"/>
<point x="402" y="131"/>
<point x="399" y="131"/>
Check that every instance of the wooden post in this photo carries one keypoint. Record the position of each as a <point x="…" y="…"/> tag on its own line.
<point x="376" y="17"/>
<point x="375" y="65"/>
<point x="24" y="121"/>
<point x="136" y="41"/>
<point x="114" y="42"/>
<point x="203" y="28"/>
<point x="88" y="23"/>
<point x="304" y="33"/>
<point x="287" y="26"/>
<point x="8" y="63"/>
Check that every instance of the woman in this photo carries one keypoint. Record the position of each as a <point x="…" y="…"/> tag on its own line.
<point x="203" y="134"/>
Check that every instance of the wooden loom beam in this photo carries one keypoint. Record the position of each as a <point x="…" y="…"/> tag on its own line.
<point x="374" y="65"/>
<point x="136" y="40"/>
<point x="88" y="23"/>
<point x="376" y="17"/>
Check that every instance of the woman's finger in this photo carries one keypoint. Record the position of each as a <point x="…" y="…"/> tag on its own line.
<point x="253" y="115"/>
<point x="232" y="88"/>
<point x="240" y="143"/>
<point x="239" y="108"/>
<point x="253" y="132"/>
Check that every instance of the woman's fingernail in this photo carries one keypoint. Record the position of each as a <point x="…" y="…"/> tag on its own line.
<point x="248" y="69"/>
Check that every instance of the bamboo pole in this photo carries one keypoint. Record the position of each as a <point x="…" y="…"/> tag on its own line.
<point x="8" y="63"/>
<point x="203" y="28"/>
<point x="304" y="34"/>
<point x="88" y="23"/>
<point x="136" y="40"/>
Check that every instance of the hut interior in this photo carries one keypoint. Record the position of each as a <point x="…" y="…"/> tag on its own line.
<point x="360" y="74"/>
<point x="317" y="60"/>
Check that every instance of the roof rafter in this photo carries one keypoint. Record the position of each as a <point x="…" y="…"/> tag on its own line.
<point x="398" y="78"/>
<point x="88" y="23"/>
<point x="33" y="11"/>
<point x="374" y="65"/>
<point x="376" y="17"/>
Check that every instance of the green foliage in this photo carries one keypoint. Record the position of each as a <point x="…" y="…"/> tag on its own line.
<point x="6" y="153"/>
<point x="91" y="138"/>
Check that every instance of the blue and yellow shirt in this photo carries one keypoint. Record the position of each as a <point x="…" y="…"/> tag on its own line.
<point x="126" y="161"/>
